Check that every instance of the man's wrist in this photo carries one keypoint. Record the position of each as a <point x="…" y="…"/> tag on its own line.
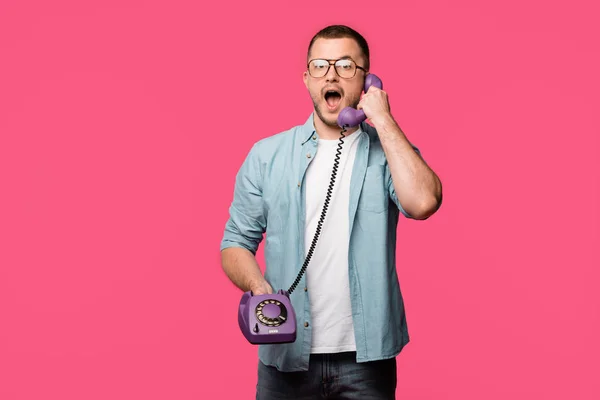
<point x="260" y="285"/>
<point x="383" y="120"/>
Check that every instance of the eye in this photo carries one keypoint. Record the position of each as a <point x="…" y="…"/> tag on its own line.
<point x="344" y="64"/>
<point x="318" y="64"/>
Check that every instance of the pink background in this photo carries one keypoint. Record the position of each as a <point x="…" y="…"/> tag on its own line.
<point x="122" y="127"/>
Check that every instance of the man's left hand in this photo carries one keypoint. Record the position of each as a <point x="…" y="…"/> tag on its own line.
<point x="375" y="104"/>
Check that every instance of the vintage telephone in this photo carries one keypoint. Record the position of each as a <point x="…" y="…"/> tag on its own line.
<point x="270" y="318"/>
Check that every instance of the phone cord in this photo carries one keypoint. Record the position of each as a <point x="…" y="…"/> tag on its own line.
<point x="323" y="212"/>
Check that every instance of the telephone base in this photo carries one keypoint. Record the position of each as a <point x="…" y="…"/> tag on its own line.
<point x="267" y="318"/>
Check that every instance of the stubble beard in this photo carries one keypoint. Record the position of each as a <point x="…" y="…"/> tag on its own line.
<point x="330" y="122"/>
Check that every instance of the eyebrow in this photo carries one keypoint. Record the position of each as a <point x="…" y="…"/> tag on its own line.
<point x="340" y="58"/>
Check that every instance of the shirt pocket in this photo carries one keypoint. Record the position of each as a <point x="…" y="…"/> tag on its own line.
<point x="374" y="195"/>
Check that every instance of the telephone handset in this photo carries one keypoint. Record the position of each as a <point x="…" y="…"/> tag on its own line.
<point x="270" y="318"/>
<point x="351" y="117"/>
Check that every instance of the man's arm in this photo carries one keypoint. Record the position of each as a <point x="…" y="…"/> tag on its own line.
<point x="241" y="268"/>
<point x="417" y="187"/>
<point x="244" y="230"/>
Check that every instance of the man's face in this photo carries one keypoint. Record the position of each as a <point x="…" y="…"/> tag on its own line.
<point x="331" y="93"/>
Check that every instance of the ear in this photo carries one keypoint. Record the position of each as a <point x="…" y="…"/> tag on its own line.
<point x="305" y="78"/>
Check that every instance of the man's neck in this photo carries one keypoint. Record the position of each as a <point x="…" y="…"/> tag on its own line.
<point x="327" y="132"/>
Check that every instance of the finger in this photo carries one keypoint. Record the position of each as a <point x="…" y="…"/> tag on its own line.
<point x="359" y="106"/>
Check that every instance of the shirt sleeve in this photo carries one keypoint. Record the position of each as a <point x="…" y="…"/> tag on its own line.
<point x="392" y="191"/>
<point x="247" y="220"/>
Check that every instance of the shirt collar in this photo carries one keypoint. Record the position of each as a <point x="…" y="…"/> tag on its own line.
<point x="308" y="129"/>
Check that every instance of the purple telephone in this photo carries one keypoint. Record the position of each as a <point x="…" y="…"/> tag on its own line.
<point x="270" y="318"/>
<point x="267" y="318"/>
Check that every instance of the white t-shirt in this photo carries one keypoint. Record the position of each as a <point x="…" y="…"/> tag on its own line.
<point x="327" y="272"/>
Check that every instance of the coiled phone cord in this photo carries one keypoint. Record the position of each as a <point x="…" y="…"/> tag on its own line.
<point x="323" y="212"/>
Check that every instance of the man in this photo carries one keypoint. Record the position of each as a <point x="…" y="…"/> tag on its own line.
<point x="350" y="315"/>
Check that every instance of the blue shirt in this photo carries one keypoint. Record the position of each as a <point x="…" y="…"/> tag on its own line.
<point x="269" y="198"/>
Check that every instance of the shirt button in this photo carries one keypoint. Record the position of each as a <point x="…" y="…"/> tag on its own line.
<point x="305" y="289"/>
<point x="298" y="184"/>
<point x="314" y="138"/>
<point x="308" y="155"/>
<point x="306" y="324"/>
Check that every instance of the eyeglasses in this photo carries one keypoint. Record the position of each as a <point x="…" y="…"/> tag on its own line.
<point x="345" y="67"/>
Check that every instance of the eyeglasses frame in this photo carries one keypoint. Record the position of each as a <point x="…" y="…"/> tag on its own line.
<point x="332" y="62"/>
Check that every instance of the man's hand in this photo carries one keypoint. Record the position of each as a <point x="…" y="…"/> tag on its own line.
<point x="261" y="287"/>
<point x="375" y="104"/>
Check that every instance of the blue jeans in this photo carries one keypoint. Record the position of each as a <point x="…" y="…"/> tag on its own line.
<point x="330" y="376"/>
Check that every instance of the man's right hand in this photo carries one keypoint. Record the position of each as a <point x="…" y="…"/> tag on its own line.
<point x="262" y="287"/>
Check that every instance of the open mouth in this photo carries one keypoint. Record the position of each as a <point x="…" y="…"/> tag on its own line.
<point x="333" y="99"/>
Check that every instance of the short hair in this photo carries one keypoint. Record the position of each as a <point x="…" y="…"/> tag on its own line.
<point x="339" y="32"/>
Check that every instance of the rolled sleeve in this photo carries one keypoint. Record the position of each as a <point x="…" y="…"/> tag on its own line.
<point x="247" y="222"/>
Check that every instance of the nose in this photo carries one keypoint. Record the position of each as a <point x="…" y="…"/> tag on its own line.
<point x="332" y="75"/>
